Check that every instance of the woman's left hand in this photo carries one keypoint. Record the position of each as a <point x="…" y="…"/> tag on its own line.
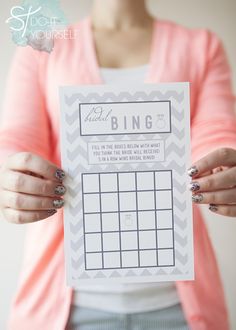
<point x="214" y="181"/>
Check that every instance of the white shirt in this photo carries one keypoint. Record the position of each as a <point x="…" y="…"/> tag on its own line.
<point x="126" y="298"/>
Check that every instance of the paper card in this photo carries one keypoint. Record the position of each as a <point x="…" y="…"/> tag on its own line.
<point x="128" y="211"/>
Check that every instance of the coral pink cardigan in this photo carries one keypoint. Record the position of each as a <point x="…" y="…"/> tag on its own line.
<point x="31" y="122"/>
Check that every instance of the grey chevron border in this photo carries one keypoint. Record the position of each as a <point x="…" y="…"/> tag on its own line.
<point x="109" y="96"/>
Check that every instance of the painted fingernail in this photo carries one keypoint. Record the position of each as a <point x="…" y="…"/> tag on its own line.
<point x="60" y="175"/>
<point x="51" y="212"/>
<point x="194" y="186"/>
<point x="60" y="190"/>
<point x="192" y="171"/>
<point x="213" y="207"/>
<point x="58" y="203"/>
<point x="197" y="198"/>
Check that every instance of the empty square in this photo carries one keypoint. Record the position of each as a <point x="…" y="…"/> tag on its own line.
<point x="108" y="182"/>
<point x="109" y="202"/>
<point x="165" y="238"/>
<point x="163" y="180"/>
<point x="111" y="259"/>
<point x="92" y="222"/>
<point x="128" y="221"/>
<point x="93" y="242"/>
<point x="148" y="258"/>
<point x="111" y="241"/>
<point x="147" y="239"/>
<point x="145" y="180"/>
<point x="110" y="222"/>
<point x="130" y="259"/>
<point x="146" y="220"/>
<point x="91" y="203"/>
<point x="93" y="261"/>
<point x="164" y="219"/>
<point x="165" y="258"/>
<point x="163" y="199"/>
<point x="129" y="240"/>
<point x="127" y="201"/>
<point x="90" y="183"/>
<point x="146" y="200"/>
<point x="126" y="181"/>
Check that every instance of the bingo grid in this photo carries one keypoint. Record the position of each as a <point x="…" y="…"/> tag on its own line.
<point x="128" y="219"/>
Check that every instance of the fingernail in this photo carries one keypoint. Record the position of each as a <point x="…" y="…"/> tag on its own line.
<point x="192" y="171"/>
<point x="51" y="212"/>
<point x="194" y="186"/>
<point x="58" y="203"/>
<point x="213" y="207"/>
<point x="197" y="198"/>
<point x="60" y="175"/>
<point x="60" y="190"/>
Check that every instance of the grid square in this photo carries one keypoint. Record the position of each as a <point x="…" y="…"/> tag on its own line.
<point x="128" y="221"/>
<point x="164" y="219"/>
<point x="90" y="183"/>
<point x="111" y="259"/>
<point x="145" y="180"/>
<point x="111" y="241"/>
<point x="93" y="242"/>
<point x="108" y="182"/>
<point x="163" y="199"/>
<point x="92" y="222"/>
<point x="166" y="257"/>
<point x="146" y="220"/>
<point x="163" y="180"/>
<point x="110" y="222"/>
<point x="165" y="238"/>
<point x="145" y="200"/>
<point x="147" y="239"/>
<point x="93" y="261"/>
<point x="130" y="259"/>
<point x="126" y="181"/>
<point x="109" y="202"/>
<point x="127" y="201"/>
<point x="129" y="240"/>
<point x="91" y="203"/>
<point x="148" y="258"/>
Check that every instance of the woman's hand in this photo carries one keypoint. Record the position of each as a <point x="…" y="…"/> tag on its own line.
<point x="214" y="181"/>
<point x="30" y="188"/>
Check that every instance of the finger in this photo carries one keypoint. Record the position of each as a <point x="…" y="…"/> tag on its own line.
<point x="220" y="157"/>
<point x="19" y="201"/>
<point x="22" y="217"/>
<point x="216" y="197"/>
<point x="218" y="181"/>
<point x="23" y="183"/>
<point x="28" y="162"/>
<point x="226" y="210"/>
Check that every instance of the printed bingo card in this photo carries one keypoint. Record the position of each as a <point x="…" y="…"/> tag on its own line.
<point x="128" y="211"/>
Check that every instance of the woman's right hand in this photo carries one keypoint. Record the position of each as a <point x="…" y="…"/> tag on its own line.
<point x="30" y="188"/>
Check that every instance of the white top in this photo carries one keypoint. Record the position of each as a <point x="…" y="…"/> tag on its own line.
<point x="126" y="298"/>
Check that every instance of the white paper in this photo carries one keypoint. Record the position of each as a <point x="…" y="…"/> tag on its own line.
<point x="128" y="211"/>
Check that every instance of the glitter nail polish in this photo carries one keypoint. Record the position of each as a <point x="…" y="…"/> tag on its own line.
<point x="60" y="190"/>
<point x="197" y="198"/>
<point x="192" y="171"/>
<point x="52" y="212"/>
<point x="213" y="207"/>
<point x="194" y="186"/>
<point x="58" y="203"/>
<point x="60" y="175"/>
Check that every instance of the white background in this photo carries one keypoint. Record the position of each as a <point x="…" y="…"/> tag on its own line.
<point x="219" y="16"/>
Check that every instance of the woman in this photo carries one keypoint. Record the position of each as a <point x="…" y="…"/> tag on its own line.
<point x="119" y="42"/>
